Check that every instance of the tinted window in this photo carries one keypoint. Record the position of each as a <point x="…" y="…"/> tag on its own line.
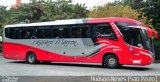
<point x="125" y="24"/>
<point x="133" y="37"/>
<point x="80" y="31"/>
<point x="136" y="38"/>
<point x="13" y="33"/>
<point x="43" y="32"/>
<point x="105" y="31"/>
<point x="27" y="33"/>
<point x="60" y="32"/>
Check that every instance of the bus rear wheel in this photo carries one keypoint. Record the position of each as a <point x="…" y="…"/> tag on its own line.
<point x="31" y="58"/>
<point x="111" y="61"/>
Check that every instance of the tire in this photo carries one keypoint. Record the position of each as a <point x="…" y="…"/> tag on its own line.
<point x="31" y="58"/>
<point x="111" y="61"/>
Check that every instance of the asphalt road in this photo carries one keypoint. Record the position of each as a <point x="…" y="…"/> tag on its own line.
<point x="20" y="68"/>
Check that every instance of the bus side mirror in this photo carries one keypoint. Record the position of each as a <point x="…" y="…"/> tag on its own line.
<point x="140" y="45"/>
<point x="1" y="44"/>
<point x="0" y="38"/>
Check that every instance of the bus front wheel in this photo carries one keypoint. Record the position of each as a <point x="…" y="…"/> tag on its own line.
<point x="111" y="61"/>
<point x="31" y="58"/>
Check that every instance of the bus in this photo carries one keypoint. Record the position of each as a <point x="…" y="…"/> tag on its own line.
<point x="110" y="42"/>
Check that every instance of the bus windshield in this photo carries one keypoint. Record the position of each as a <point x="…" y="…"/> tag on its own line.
<point x="136" y="37"/>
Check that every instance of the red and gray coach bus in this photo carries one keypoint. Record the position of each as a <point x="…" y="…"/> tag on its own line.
<point x="110" y="42"/>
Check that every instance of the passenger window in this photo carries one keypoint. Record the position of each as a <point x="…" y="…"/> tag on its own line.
<point x="43" y="32"/>
<point x="27" y="33"/>
<point x="80" y="32"/>
<point x="105" y="31"/>
<point x="13" y="33"/>
<point x="60" y="32"/>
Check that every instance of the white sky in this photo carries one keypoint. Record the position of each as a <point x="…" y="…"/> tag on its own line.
<point x="89" y="3"/>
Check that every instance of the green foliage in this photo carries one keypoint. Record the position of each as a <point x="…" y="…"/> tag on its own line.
<point x="138" y="5"/>
<point x="3" y="16"/>
<point x="135" y="4"/>
<point x="151" y="10"/>
<point x="112" y="10"/>
<point x="42" y="10"/>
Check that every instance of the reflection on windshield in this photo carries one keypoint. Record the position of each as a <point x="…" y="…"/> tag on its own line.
<point x="132" y="37"/>
<point x="148" y="41"/>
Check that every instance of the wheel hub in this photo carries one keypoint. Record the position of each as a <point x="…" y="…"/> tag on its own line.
<point x="112" y="61"/>
<point x="31" y="58"/>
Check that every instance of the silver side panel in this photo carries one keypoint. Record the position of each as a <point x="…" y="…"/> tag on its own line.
<point x="68" y="47"/>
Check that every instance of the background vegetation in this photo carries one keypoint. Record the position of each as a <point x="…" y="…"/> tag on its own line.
<point x="147" y="11"/>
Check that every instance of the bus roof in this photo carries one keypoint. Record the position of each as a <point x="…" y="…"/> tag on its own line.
<point x="77" y="21"/>
<point x="57" y="22"/>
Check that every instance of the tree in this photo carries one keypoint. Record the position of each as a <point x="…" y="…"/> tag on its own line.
<point x="135" y="4"/>
<point x="3" y="17"/>
<point x="47" y="10"/>
<point x="110" y="10"/>
<point x="151" y="10"/>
